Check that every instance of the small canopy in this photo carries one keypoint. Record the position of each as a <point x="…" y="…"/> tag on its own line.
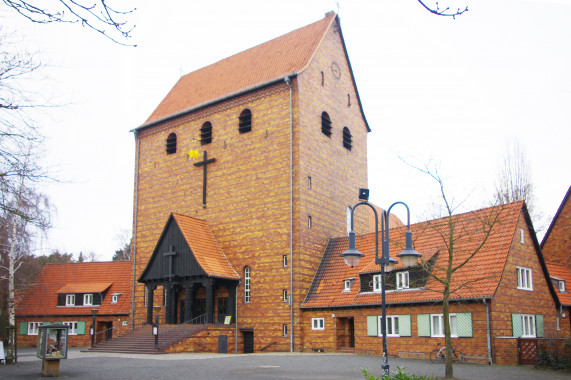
<point x="91" y="287"/>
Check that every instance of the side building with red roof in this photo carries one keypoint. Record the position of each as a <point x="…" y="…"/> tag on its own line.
<point x="71" y="294"/>
<point x="556" y="247"/>
<point x="499" y="298"/>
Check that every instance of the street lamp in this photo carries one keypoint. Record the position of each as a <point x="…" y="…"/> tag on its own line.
<point x="92" y="329"/>
<point x="409" y="256"/>
<point x="156" y="326"/>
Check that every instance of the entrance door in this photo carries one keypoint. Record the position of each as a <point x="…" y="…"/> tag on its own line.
<point x="345" y="333"/>
<point x="248" y="342"/>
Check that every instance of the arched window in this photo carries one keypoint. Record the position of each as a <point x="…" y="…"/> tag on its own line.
<point x="325" y="124"/>
<point x="171" y="143"/>
<point x="247" y="285"/>
<point x="347" y="140"/>
<point x="245" y="121"/>
<point x="206" y="133"/>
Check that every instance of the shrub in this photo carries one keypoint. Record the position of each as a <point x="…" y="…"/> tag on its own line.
<point x="401" y="374"/>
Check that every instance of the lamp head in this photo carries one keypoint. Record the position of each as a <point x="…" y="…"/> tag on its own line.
<point x="409" y="256"/>
<point x="364" y="194"/>
<point x="352" y="256"/>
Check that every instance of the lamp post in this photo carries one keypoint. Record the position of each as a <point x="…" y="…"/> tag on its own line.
<point x="92" y="329"/>
<point x="157" y="309"/>
<point x="409" y="257"/>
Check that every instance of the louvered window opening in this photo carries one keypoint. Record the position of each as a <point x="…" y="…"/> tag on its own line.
<point x="326" y="124"/>
<point x="206" y="133"/>
<point x="171" y="144"/>
<point x="245" y="121"/>
<point x="347" y="139"/>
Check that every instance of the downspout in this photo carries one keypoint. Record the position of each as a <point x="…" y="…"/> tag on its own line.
<point x="288" y="82"/>
<point x="134" y="248"/>
<point x="488" y="336"/>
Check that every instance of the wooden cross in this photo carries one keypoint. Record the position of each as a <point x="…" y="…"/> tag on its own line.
<point x="204" y="163"/>
<point x="170" y="255"/>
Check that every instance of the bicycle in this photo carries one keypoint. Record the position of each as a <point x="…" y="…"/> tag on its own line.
<point x="439" y="355"/>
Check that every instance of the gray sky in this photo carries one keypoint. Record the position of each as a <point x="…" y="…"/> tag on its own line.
<point x="433" y="88"/>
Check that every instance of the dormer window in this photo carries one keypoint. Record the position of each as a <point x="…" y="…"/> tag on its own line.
<point x="245" y="121"/>
<point x="171" y="144"/>
<point x="402" y="280"/>
<point x="70" y="300"/>
<point x="115" y="297"/>
<point x="87" y="299"/>
<point x="347" y="284"/>
<point x="558" y="283"/>
<point x="206" y="133"/>
<point x="377" y="283"/>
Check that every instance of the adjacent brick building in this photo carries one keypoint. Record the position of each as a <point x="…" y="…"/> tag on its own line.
<point x="67" y="293"/>
<point x="501" y="294"/>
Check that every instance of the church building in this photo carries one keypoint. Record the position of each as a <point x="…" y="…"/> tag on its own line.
<point x="243" y="173"/>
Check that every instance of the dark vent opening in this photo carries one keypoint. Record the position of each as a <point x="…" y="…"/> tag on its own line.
<point x="206" y="133"/>
<point x="347" y="140"/>
<point x="245" y="121"/>
<point x="171" y="144"/>
<point x="326" y="124"/>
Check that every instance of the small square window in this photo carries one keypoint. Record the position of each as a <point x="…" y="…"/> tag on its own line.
<point x="317" y="323"/>
<point x="562" y="285"/>
<point x="524" y="278"/>
<point x="347" y="284"/>
<point x="115" y="298"/>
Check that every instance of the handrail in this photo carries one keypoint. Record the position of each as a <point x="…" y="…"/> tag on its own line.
<point x="165" y="334"/>
<point x="118" y="330"/>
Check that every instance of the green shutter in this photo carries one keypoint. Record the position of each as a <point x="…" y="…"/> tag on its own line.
<point x="80" y="328"/>
<point x="517" y="325"/>
<point x="539" y="326"/>
<point x="23" y="328"/>
<point x="423" y="321"/>
<point x="464" y="325"/>
<point x="372" y="328"/>
<point x="404" y="325"/>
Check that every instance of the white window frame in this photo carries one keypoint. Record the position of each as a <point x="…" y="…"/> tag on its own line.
<point x="521" y="236"/>
<point x="115" y="298"/>
<point x="403" y="280"/>
<point x="70" y="300"/>
<point x="348" y="219"/>
<point x="284" y="295"/>
<point x="524" y="278"/>
<point x="561" y="286"/>
<point x="33" y="327"/>
<point x="72" y="327"/>
<point x="437" y="329"/>
<point x="318" y="323"/>
<point x="309" y="221"/>
<point x="88" y="299"/>
<point x="284" y="261"/>
<point x="377" y="283"/>
<point x="347" y="284"/>
<point x="392" y="325"/>
<point x="284" y="330"/>
<point x="528" y="326"/>
<point x="247" y="279"/>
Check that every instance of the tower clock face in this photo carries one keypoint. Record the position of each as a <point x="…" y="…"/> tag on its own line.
<point x="336" y="70"/>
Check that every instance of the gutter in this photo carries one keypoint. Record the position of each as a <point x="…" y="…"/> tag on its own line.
<point x="134" y="245"/>
<point x="392" y="303"/>
<point x="287" y="79"/>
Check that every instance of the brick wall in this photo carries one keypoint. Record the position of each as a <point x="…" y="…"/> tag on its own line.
<point x="557" y="244"/>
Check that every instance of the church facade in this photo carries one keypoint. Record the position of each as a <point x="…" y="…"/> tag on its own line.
<point x="262" y="153"/>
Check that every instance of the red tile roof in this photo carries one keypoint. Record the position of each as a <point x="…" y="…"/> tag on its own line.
<point x="205" y="248"/>
<point x="560" y="272"/>
<point x="114" y="276"/>
<point x="479" y="278"/>
<point x="271" y="61"/>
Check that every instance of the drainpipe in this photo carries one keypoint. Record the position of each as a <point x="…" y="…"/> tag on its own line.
<point x="288" y="82"/>
<point x="489" y="338"/>
<point x="134" y="247"/>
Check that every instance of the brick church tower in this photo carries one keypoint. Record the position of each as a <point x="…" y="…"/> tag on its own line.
<point x="243" y="173"/>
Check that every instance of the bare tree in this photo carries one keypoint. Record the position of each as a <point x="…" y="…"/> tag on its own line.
<point x="123" y="253"/>
<point x="462" y="239"/>
<point x="514" y="181"/>
<point x="97" y="15"/>
<point x="445" y="11"/>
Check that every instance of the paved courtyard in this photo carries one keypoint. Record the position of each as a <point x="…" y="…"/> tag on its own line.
<point x="81" y="365"/>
